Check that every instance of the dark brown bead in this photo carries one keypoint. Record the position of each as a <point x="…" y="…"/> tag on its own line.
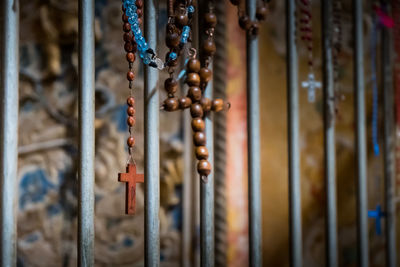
<point x="127" y="27"/>
<point x="130" y="57"/>
<point x="172" y="39"/>
<point x="131" y="111"/>
<point x="206" y="104"/>
<point x="130" y="141"/>
<point x="261" y="12"/>
<point x="139" y="3"/>
<point x="204" y="167"/>
<point x="210" y="20"/>
<point x="171" y="104"/>
<point x="205" y="75"/>
<point x="140" y="21"/>
<point x="185" y="102"/>
<point x="193" y="79"/>
<point x="181" y="20"/>
<point x="124" y="17"/>
<point x="255" y="28"/>
<point x="130" y="76"/>
<point x="171" y="85"/>
<point x="130" y="121"/>
<point x="196" y="110"/>
<point x="130" y="101"/>
<point x="217" y="105"/>
<point x="128" y="47"/>
<point x="244" y="22"/>
<point x="198" y="125"/>
<point x="193" y="65"/>
<point x="127" y="37"/>
<point x="209" y="47"/>
<point x="139" y="12"/>
<point x="199" y="139"/>
<point x="235" y="2"/>
<point x="201" y="152"/>
<point x="194" y="93"/>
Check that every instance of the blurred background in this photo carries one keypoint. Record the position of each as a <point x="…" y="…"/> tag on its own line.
<point x="47" y="179"/>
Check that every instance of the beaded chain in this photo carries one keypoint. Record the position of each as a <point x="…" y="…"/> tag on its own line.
<point x="305" y="22"/>
<point x="130" y="178"/>
<point x="245" y="22"/>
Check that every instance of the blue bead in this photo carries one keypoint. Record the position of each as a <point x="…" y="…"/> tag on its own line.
<point x="172" y="56"/>
<point x="190" y="9"/>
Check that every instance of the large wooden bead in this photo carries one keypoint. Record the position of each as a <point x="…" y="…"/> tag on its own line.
<point x="130" y="101"/>
<point x="210" y="20"/>
<point x="244" y="22"/>
<point x="206" y="104"/>
<point x="209" y="47"/>
<point x="130" y="111"/>
<point x="139" y="12"/>
<point x="195" y="93"/>
<point x="205" y="75"/>
<point x="130" y="57"/>
<point x="217" y="105"/>
<point x="130" y="76"/>
<point x="204" y="167"/>
<point x="126" y="27"/>
<point x="185" y="102"/>
<point x="171" y="85"/>
<point x="261" y="12"/>
<point x="193" y="65"/>
<point x="130" y="121"/>
<point x="139" y="4"/>
<point x="198" y="125"/>
<point x="201" y="152"/>
<point x="196" y="110"/>
<point x="199" y="139"/>
<point x="131" y="141"/>
<point x="172" y="39"/>
<point x="128" y="47"/>
<point x="171" y="104"/>
<point x="181" y="20"/>
<point x="124" y="17"/>
<point x="193" y="79"/>
<point x="127" y="37"/>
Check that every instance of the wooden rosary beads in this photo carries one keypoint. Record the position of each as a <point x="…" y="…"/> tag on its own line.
<point x="245" y="22"/>
<point x="130" y="177"/>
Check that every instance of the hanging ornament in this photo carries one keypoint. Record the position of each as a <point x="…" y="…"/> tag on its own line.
<point x="306" y="36"/>
<point x="130" y="178"/>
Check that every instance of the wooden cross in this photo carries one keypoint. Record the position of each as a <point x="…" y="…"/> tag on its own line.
<point x="311" y="84"/>
<point x="130" y="178"/>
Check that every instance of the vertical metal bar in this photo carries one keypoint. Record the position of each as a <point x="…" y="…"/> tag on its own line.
<point x="360" y="137"/>
<point x="9" y="129"/>
<point x="207" y="258"/>
<point x="295" y="229"/>
<point x="86" y="133"/>
<point x="152" y="143"/>
<point x="329" y="135"/>
<point x="253" y="143"/>
<point x="388" y="148"/>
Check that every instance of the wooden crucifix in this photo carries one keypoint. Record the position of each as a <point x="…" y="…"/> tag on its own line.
<point x="130" y="178"/>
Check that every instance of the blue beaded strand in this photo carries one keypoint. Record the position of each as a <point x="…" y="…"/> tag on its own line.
<point x="375" y="102"/>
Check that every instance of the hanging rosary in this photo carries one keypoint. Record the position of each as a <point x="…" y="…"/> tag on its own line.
<point x="307" y="37"/>
<point x="197" y="78"/>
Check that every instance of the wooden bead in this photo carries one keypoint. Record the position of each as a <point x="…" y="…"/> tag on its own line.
<point x="194" y="93"/>
<point x="255" y="28"/>
<point x="127" y="37"/>
<point x="210" y="20"/>
<point x="198" y="125"/>
<point x="130" y="57"/>
<point x="204" y="167"/>
<point x="196" y="110"/>
<point x="201" y="152"/>
<point x="130" y="141"/>
<point x="130" y="111"/>
<point x="130" y="101"/>
<point x="172" y="40"/>
<point x="139" y="3"/>
<point x="139" y="12"/>
<point x="171" y="85"/>
<point x="127" y="27"/>
<point x="217" y="105"/>
<point x="193" y="65"/>
<point x="206" y="104"/>
<point x="130" y="76"/>
<point x="128" y="47"/>
<point x="181" y="20"/>
<point x="193" y="79"/>
<point x="199" y="139"/>
<point x="124" y="17"/>
<point x="205" y="75"/>
<point x="171" y="104"/>
<point x="245" y="22"/>
<point x="185" y="102"/>
<point x="140" y="21"/>
<point x="209" y="47"/>
<point x="261" y="12"/>
<point x="130" y="121"/>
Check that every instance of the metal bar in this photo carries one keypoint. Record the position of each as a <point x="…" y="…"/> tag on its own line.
<point x="9" y="129"/>
<point x="329" y="135"/>
<point x="388" y="152"/>
<point x="253" y="143"/>
<point x="86" y="133"/>
<point x="360" y="137"/>
<point x="293" y="137"/>
<point x="152" y="143"/>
